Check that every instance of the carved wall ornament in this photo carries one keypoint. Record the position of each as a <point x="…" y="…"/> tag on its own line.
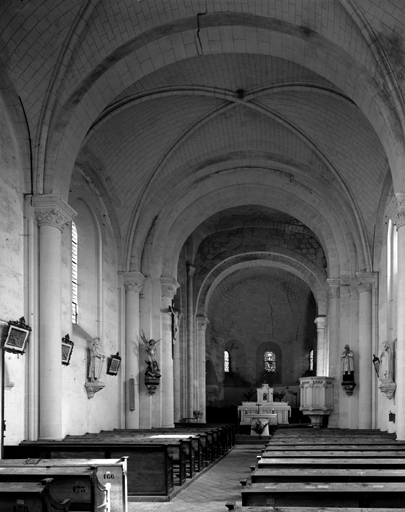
<point x="133" y="281"/>
<point x="169" y="287"/>
<point x="334" y="288"/>
<point x="366" y="281"/>
<point x="52" y="211"/>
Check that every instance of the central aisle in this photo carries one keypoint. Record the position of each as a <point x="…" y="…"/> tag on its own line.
<point x="213" y="489"/>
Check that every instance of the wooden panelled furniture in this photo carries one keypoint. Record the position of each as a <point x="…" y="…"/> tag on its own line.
<point x="28" y="496"/>
<point x="157" y="461"/>
<point x="305" y="469"/>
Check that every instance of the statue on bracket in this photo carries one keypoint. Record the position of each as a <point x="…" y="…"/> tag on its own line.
<point x="95" y="365"/>
<point x="386" y="369"/>
<point x="152" y="372"/>
<point x="347" y="358"/>
<point x="176" y="316"/>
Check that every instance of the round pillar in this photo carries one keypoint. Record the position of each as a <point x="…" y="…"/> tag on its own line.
<point x="366" y="281"/>
<point x="169" y="288"/>
<point x="400" y="369"/>
<point x="320" y="346"/>
<point x="332" y="346"/>
<point x="201" y="329"/>
<point x="133" y="282"/>
<point x="52" y="215"/>
<point x="191" y="385"/>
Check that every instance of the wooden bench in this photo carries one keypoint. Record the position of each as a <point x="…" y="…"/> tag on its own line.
<point x="79" y="485"/>
<point x="347" y="494"/>
<point x="150" y="467"/>
<point x="30" y="497"/>
<point x="276" y="475"/>
<point x="334" y="453"/>
<point x="336" y="463"/>
<point x="313" y="509"/>
<point x="113" y="472"/>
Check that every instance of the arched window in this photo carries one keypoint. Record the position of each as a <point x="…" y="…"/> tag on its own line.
<point x="269" y="361"/>
<point x="227" y="362"/>
<point x="311" y="360"/>
<point x="74" y="274"/>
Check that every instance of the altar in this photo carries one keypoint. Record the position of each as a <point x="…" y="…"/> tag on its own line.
<point x="265" y="411"/>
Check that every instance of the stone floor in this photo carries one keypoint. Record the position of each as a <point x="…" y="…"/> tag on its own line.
<point x="210" y="491"/>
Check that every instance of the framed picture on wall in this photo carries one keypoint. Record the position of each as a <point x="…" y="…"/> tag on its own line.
<point x="16" y="336"/>
<point x="114" y="364"/>
<point x="67" y="349"/>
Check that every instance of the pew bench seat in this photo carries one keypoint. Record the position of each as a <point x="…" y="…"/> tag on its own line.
<point x="30" y="496"/>
<point x="340" y="494"/>
<point x="338" y="463"/>
<point x="269" y="475"/>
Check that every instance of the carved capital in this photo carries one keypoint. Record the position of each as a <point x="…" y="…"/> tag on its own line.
<point x="202" y="323"/>
<point x="169" y="287"/>
<point x="52" y="211"/>
<point x="334" y="288"/>
<point x="133" y="281"/>
<point x="366" y="281"/>
<point x="320" y="322"/>
<point x="397" y="212"/>
<point x="190" y="270"/>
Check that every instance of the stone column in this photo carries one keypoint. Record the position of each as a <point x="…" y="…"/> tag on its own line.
<point x="52" y="215"/>
<point x="201" y="329"/>
<point x="400" y="362"/>
<point x="333" y="360"/>
<point x="321" y="346"/>
<point x="169" y="288"/>
<point x="366" y="281"/>
<point x="133" y="282"/>
<point x="190" y="343"/>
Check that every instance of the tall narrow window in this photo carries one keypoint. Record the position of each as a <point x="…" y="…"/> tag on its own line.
<point x="269" y="361"/>
<point x="74" y="274"/>
<point x="226" y="362"/>
<point x="311" y="360"/>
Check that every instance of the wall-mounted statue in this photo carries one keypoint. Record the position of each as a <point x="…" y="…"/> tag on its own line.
<point x="176" y="316"/>
<point x="386" y="359"/>
<point x="347" y="359"/>
<point x="95" y="365"/>
<point x="152" y="372"/>
<point x="386" y="369"/>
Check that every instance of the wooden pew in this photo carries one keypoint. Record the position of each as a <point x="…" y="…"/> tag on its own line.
<point x="334" y="453"/>
<point x="177" y="449"/>
<point x="113" y="472"/>
<point x="150" y="467"/>
<point x="346" y="494"/>
<point x="332" y="463"/>
<point x="79" y="485"/>
<point x="277" y="475"/>
<point x="30" y="497"/>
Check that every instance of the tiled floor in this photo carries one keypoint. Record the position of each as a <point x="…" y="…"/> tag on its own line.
<point x="213" y="489"/>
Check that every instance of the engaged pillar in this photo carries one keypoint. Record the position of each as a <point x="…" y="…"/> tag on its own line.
<point x="190" y="342"/>
<point x="366" y="281"/>
<point x="332" y="347"/>
<point x="133" y="282"/>
<point x="169" y="288"/>
<point x="320" y="346"/>
<point x="52" y="215"/>
<point x="400" y="370"/>
<point x="201" y="329"/>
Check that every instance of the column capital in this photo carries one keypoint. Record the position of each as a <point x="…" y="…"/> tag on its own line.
<point x="396" y="210"/>
<point x="366" y="281"/>
<point x="133" y="281"/>
<point x="50" y="210"/>
<point x="320" y="322"/>
<point x="190" y="270"/>
<point x="202" y="323"/>
<point x="169" y="287"/>
<point x="334" y="288"/>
